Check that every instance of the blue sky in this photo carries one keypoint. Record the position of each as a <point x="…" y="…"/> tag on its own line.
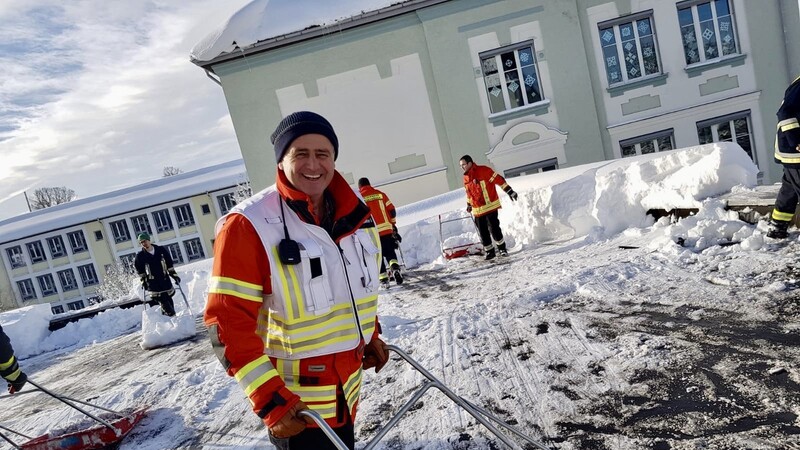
<point x="98" y="95"/>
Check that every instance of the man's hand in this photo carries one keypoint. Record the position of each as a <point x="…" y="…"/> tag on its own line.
<point x="144" y="282"/>
<point x="375" y="355"/>
<point x="290" y="424"/>
<point x="469" y="208"/>
<point x="177" y="279"/>
<point x="18" y="384"/>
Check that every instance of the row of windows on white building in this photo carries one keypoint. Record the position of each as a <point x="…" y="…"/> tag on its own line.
<point x="707" y="30"/>
<point x="192" y="249"/>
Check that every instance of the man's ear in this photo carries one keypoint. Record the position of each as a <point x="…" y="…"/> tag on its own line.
<point x="280" y="165"/>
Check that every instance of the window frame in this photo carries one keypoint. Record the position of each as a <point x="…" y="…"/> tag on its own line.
<point x="497" y="54"/>
<point x="57" y="309"/>
<point x="692" y="6"/>
<point x="181" y="211"/>
<point x="175" y="252"/>
<point x="62" y="276"/>
<point x="36" y="247"/>
<point x="77" y="247"/>
<point x="136" y="223"/>
<point x="59" y="242"/>
<point x="76" y="305"/>
<point x="730" y="119"/>
<point x="84" y="273"/>
<point x="120" y="231"/>
<point x="17" y="259"/>
<point x="223" y="200"/>
<point x="649" y="137"/>
<point x="29" y="288"/>
<point x="47" y="279"/>
<point x="615" y="24"/>
<point x="194" y="249"/>
<point x="158" y="219"/>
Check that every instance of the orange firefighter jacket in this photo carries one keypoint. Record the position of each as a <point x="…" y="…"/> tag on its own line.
<point x="481" y="194"/>
<point x="382" y="209"/>
<point x="264" y="321"/>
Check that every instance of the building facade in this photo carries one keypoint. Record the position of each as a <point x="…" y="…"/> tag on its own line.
<point x="524" y="85"/>
<point x="59" y="255"/>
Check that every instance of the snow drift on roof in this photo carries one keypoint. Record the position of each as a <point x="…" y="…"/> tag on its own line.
<point x="260" y="20"/>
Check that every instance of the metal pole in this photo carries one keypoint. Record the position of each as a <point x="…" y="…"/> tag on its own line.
<point x="62" y="399"/>
<point x="31" y="391"/>
<point x="334" y="438"/>
<point x="15" y="432"/>
<point x="186" y="302"/>
<point x="7" y="439"/>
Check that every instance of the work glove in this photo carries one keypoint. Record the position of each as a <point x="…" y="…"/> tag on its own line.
<point x="17" y="385"/>
<point x="290" y="424"/>
<point x="469" y="208"/>
<point x="143" y="279"/>
<point x="396" y="235"/>
<point x="177" y="279"/>
<point x="375" y="355"/>
<point x="512" y="194"/>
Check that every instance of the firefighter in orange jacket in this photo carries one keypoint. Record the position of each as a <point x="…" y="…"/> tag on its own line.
<point x="292" y="306"/>
<point x="483" y="203"/>
<point x="385" y="217"/>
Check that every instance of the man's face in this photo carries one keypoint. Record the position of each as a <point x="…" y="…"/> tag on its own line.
<point x="465" y="166"/>
<point x="309" y="165"/>
<point x="145" y="243"/>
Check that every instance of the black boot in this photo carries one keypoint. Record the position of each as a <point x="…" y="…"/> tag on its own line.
<point x="489" y="254"/>
<point x="501" y="249"/>
<point x="778" y="229"/>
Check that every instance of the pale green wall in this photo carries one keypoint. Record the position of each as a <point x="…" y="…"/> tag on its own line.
<point x="205" y="222"/>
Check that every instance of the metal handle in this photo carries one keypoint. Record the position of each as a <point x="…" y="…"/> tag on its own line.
<point x="64" y="400"/>
<point x="324" y="427"/>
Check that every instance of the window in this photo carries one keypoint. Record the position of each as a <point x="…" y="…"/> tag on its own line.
<point x="98" y="235"/>
<point x="15" y="257"/>
<point x="175" y="253"/>
<point x="162" y="220"/>
<point x="88" y="275"/>
<point x="47" y="285"/>
<point x="36" y="251"/>
<point x="74" y="306"/>
<point x="67" y="279"/>
<point x="183" y="214"/>
<point x="710" y="23"/>
<point x="77" y="241"/>
<point x="57" y="309"/>
<point x="56" y="245"/>
<point x="511" y="78"/>
<point x="119" y="229"/>
<point x="226" y="202"/>
<point x="141" y="224"/>
<point x="205" y="208"/>
<point x="194" y="250"/>
<point x="537" y="167"/>
<point x="732" y="128"/>
<point x="634" y="39"/>
<point x="649" y="143"/>
<point x="127" y="261"/>
<point x="26" y="290"/>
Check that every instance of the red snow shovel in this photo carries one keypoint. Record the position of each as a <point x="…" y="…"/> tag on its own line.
<point x="108" y="432"/>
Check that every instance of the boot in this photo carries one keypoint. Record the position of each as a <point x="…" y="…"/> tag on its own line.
<point x="778" y="229"/>
<point x="501" y="249"/>
<point x="489" y="254"/>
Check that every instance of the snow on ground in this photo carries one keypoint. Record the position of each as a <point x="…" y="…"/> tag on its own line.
<point x="603" y="328"/>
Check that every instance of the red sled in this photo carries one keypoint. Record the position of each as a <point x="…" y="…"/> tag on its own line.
<point x="461" y="250"/>
<point x="107" y="433"/>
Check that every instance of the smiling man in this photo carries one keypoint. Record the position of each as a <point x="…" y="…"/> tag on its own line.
<point x="292" y="305"/>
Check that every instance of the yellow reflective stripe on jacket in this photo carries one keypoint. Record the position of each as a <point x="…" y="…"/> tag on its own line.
<point x="236" y="288"/>
<point x="7" y="364"/>
<point x="289" y="370"/>
<point x="788" y="124"/>
<point x="372" y="197"/>
<point x="255" y="373"/>
<point x="291" y="289"/>
<point x="352" y="388"/>
<point x="486" y="208"/>
<point x="293" y="343"/>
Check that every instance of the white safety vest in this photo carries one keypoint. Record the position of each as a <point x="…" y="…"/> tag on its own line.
<point x="327" y="302"/>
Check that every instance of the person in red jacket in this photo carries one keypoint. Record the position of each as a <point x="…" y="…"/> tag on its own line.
<point x="483" y="203"/>
<point x="9" y="367"/>
<point x="292" y="303"/>
<point x="385" y="217"/>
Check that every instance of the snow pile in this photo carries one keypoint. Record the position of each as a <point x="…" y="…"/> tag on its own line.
<point x="27" y="327"/>
<point x="159" y="330"/>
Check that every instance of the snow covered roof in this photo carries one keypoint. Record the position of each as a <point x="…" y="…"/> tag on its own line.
<point x="264" y="24"/>
<point x="144" y="195"/>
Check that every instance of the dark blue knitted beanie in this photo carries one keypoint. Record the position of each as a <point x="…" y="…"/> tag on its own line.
<point x="297" y="124"/>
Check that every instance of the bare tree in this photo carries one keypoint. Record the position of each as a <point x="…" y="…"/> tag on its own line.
<point x="51" y="196"/>
<point x="171" y="170"/>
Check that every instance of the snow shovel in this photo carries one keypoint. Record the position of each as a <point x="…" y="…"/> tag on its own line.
<point x="480" y="414"/>
<point x="185" y="302"/>
<point x="458" y="251"/>
<point x="108" y="433"/>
